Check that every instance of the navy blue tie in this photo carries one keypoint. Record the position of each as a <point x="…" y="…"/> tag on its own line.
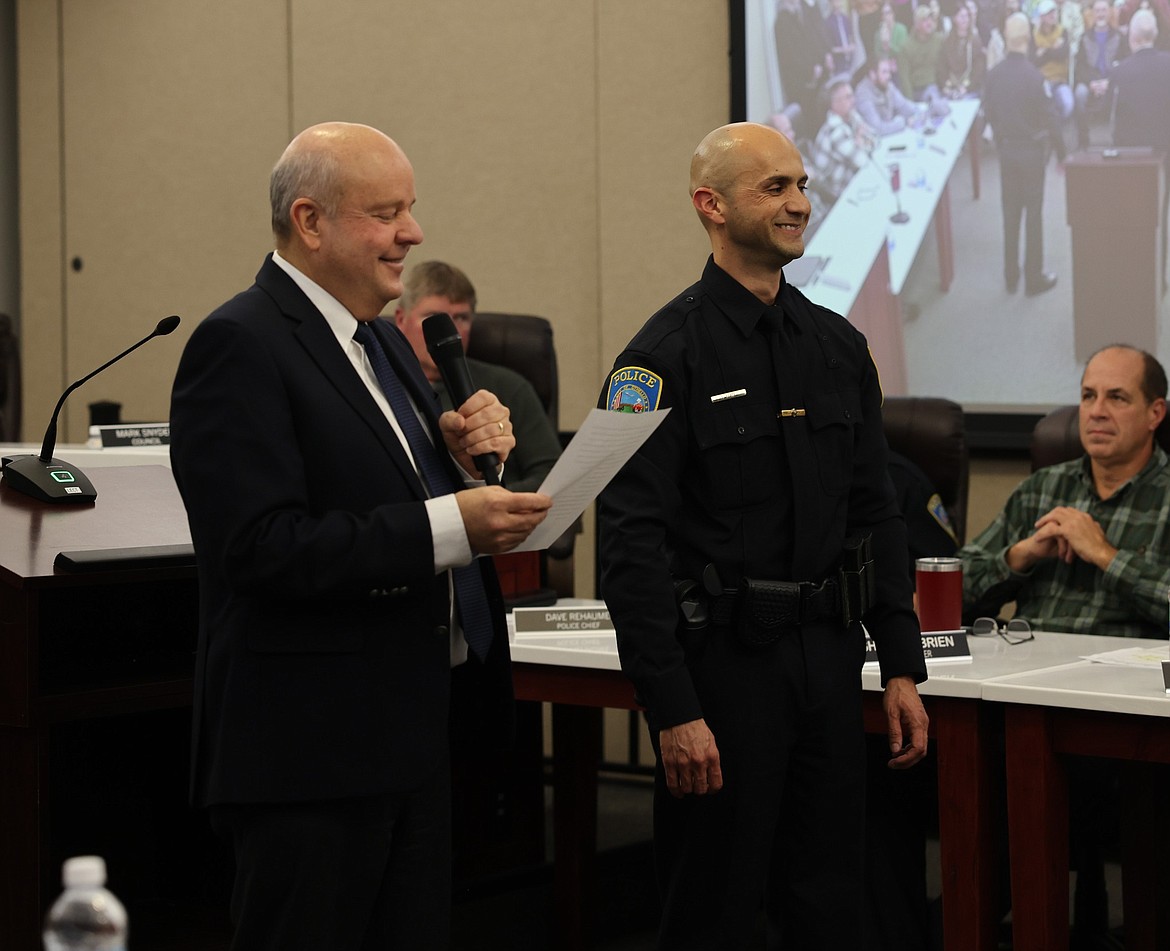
<point x="474" y="613"/>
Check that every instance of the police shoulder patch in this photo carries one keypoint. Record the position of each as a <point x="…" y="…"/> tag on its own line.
<point x="633" y="390"/>
<point x="938" y="512"/>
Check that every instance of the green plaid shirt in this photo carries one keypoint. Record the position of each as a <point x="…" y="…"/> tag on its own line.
<point x="1128" y="599"/>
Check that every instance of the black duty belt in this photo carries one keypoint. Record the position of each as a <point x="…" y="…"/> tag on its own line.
<point x="780" y="603"/>
<point x="760" y="610"/>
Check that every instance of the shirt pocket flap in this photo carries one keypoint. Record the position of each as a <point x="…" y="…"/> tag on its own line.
<point x="735" y="423"/>
<point x="832" y="409"/>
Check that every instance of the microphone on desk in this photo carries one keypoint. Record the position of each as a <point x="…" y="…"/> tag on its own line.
<point x="894" y="180"/>
<point x="52" y="480"/>
<point x="446" y="348"/>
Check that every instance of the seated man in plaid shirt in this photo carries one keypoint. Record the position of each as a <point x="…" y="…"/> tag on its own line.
<point x="844" y="144"/>
<point x="1084" y="546"/>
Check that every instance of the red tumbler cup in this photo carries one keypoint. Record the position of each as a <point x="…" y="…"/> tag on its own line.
<point x="940" y="593"/>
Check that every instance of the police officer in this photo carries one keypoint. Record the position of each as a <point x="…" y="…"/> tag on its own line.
<point x="1023" y="119"/>
<point x="730" y="556"/>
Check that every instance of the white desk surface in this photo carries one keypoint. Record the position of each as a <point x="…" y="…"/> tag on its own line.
<point x="593" y="651"/>
<point x="859" y="221"/>
<point x="993" y="657"/>
<point x="1044" y="670"/>
<point x="1082" y="685"/>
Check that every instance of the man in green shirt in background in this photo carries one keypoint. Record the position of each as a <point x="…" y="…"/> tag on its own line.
<point x="1084" y="546"/>
<point x="434" y="287"/>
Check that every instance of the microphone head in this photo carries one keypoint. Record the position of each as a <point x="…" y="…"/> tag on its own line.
<point x="166" y="325"/>
<point x="439" y="332"/>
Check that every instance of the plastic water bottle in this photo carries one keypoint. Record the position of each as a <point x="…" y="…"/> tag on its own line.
<point x="86" y="917"/>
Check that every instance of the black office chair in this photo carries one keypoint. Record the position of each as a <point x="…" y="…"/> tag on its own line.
<point x="931" y="433"/>
<point x="524" y="343"/>
<point x="9" y="381"/>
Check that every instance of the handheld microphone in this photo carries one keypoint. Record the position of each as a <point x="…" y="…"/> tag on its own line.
<point x="446" y="348"/>
<point x="52" y="480"/>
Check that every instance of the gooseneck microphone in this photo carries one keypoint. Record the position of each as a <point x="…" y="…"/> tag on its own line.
<point x="52" y="480"/>
<point x="446" y="348"/>
<point x="892" y="176"/>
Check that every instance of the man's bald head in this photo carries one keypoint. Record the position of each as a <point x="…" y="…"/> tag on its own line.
<point x="342" y="211"/>
<point x="1017" y="31"/>
<point x="729" y="152"/>
<point x="1143" y="30"/>
<point x="316" y="164"/>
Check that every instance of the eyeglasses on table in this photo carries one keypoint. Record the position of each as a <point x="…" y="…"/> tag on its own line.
<point x="1015" y="631"/>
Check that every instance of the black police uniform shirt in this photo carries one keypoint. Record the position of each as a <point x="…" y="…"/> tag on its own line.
<point x="772" y="455"/>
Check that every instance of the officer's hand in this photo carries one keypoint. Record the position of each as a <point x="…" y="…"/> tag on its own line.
<point x="690" y="759"/>
<point x="906" y="722"/>
<point x="497" y="520"/>
<point x="480" y="425"/>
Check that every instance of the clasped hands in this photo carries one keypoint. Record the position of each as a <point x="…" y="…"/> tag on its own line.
<point x="1066" y="533"/>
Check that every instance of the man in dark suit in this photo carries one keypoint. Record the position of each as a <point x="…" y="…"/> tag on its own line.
<point x="1022" y="117"/>
<point x="317" y="475"/>
<point x="1141" y="104"/>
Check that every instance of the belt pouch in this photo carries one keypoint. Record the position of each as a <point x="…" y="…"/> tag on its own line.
<point x="767" y="609"/>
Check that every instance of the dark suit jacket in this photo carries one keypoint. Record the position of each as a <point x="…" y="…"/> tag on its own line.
<point x="1141" y="107"/>
<point x="323" y="667"/>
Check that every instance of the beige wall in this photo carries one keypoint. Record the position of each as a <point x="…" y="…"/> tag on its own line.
<point x="992" y="481"/>
<point x="550" y="141"/>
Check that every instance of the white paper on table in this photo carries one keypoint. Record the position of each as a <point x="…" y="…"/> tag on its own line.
<point x="603" y="444"/>
<point x="1131" y="657"/>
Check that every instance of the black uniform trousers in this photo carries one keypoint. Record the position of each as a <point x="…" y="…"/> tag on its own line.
<point x="786" y="832"/>
<point x="1021" y="170"/>
<point x="368" y="874"/>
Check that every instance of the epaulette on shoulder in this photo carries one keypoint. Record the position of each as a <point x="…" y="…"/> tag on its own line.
<point x="668" y="320"/>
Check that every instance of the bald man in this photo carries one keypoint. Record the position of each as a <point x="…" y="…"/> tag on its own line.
<point x="1024" y="120"/>
<point x="337" y="517"/>
<point x="729" y="564"/>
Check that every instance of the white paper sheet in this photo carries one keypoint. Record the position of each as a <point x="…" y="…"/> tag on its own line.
<point x="603" y="444"/>
<point x="1130" y="657"/>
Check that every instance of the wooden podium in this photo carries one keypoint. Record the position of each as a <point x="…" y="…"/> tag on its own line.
<point x="1115" y="212"/>
<point x="79" y="651"/>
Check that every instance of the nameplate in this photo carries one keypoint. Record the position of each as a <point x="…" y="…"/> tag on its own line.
<point x="577" y="619"/>
<point x="143" y="434"/>
<point x="937" y="646"/>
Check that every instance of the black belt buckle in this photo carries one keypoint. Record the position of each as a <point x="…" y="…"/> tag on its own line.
<point x="820" y="600"/>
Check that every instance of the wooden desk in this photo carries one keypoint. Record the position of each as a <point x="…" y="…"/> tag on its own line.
<point x="79" y="646"/>
<point x="580" y="681"/>
<point x="582" y="675"/>
<point x="1083" y="709"/>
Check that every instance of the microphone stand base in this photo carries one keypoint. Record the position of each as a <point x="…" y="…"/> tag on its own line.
<point x="53" y="481"/>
